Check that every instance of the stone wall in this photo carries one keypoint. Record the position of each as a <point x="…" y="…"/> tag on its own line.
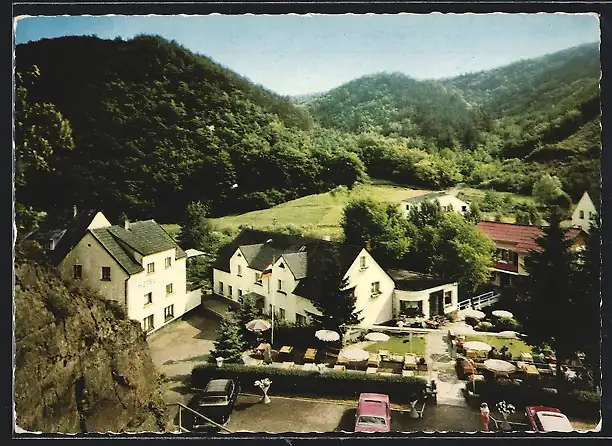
<point x="80" y="365"/>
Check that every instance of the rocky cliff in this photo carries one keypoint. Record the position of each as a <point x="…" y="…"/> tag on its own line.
<point x="80" y="364"/>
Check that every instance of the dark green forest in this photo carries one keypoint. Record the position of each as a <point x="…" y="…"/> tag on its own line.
<point x="145" y="127"/>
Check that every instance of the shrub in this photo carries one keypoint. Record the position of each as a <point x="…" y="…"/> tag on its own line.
<point x="507" y="324"/>
<point x="485" y="326"/>
<point x="307" y="383"/>
<point x="116" y="308"/>
<point x="57" y="305"/>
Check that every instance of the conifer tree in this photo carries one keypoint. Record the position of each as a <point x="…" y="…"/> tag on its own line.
<point x="229" y="344"/>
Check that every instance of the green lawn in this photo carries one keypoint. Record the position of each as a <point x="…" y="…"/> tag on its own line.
<point x="515" y="346"/>
<point x="316" y="215"/>
<point x="401" y="345"/>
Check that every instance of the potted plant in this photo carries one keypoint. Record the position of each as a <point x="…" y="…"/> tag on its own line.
<point x="264" y="385"/>
<point x="505" y="409"/>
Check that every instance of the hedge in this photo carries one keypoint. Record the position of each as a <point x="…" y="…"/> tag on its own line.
<point x="578" y="403"/>
<point x="312" y="383"/>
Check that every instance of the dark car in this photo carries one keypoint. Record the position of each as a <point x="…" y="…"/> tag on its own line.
<point x="464" y="367"/>
<point x="215" y="402"/>
<point x="547" y="419"/>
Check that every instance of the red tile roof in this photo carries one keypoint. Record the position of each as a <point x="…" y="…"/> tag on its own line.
<point x="522" y="236"/>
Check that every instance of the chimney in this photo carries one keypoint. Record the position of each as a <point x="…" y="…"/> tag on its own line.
<point x="74" y="211"/>
<point x="367" y="245"/>
<point x="126" y="224"/>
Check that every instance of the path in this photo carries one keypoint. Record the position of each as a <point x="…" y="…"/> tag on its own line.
<point x="442" y="369"/>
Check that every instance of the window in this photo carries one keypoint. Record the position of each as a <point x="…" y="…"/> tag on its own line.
<point x="168" y="262"/>
<point x="280" y="285"/>
<point x="77" y="271"/>
<point x="106" y="273"/>
<point x="590" y="215"/>
<point x="300" y="319"/>
<point x="463" y="208"/>
<point x="581" y="215"/>
<point x="169" y="289"/>
<point x="281" y="313"/>
<point x="362" y="262"/>
<point x="448" y="298"/>
<point x="407" y="207"/>
<point x="239" y="293"/>
<point x="239" y="270"/>
<point x="230" y="290"/>
<point x="281" y="265"/>
<point x="150" y="268"/>
<point x="411" y="308"/>
<point x="148" y="299"/>
<point x="168" y="313"/>
<point x="375" y="289"/>
<point x="147" y="324"/>
<point x="258" y="278"/>
<point x="220" y="287"/>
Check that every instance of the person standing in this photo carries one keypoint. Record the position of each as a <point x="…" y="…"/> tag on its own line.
<point x="484" y="416"/>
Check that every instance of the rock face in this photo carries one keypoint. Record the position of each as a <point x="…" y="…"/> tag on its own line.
<point x="80" y="364"/>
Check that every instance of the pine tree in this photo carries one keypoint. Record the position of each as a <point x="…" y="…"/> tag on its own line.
<point x="196" y="230"/>
<point x="548" y="290"/>
<point x="335" y="300"/>
<point x="229" y="344"/>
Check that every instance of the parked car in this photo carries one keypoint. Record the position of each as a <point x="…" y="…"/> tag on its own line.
<point x="547" y="419"/>
<point x="373" y="413"/>
<point x="464" y="367"/>
<point x="215" y="402"/>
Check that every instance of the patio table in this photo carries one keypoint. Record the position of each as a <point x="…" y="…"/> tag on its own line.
<point x="286" y="349"/>
<point x="395" y="358"/>
<point x="410" y="361"/>
<point x="528" y="369"/>
<point x="526" y="357"/>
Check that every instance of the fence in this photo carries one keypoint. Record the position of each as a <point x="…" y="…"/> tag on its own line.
<point x="480" y="301"/>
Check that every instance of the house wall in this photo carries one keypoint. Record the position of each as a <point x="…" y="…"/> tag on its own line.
<point x="92" y="255"/>
<point x="374" y="310"/>
<point x="444" y="201"/>
<point x="99" y="221"/>
<point x="588" y="207"/>
<point x="142" y="283"/>
<point x="423" y="296"/>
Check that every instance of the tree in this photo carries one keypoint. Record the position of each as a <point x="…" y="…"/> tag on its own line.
<point x="335" y="300"/>
<point x="527" y="214"/>
<point x="196" y="229"/>
<point x="41" y="132"/>
<point x="547" y="294"/>
<point x="586" y="308"/>
<point x="381" y="225"/>
<point x="548" y="190"/>
<point x="473" y="214"/>
<point x="229" y="345"/>
<point x="248" y="311"/>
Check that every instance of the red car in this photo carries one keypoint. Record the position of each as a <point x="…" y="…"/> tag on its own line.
<point x="373" y="413"/>
<point x="547" y="419"/>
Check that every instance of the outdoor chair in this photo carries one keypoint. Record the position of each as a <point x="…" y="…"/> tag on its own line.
<point x="339" y="368"/>
<point x="371" y="370"/>
<point x="374" y="360"/>
<point x="310" y="354"/>
<point x="421" y="365"/>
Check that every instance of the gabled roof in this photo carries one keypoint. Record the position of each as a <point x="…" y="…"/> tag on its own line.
<point x="66" y="232"/>
<point x="414" y="281"/>
<point x="145" y="237"/>
<point x="298" y="253"/>
<point x="522" y="236"/>
<point x="427" y="196"/>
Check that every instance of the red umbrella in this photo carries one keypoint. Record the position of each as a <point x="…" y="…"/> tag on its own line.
<point x="258" y="325"/>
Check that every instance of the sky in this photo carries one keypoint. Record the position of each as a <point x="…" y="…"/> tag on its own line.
<point x="291" y="54"/>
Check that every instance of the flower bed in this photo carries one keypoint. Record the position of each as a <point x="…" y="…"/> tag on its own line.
<point x="311" y="383"/>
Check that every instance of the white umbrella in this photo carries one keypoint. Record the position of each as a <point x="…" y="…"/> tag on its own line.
<point x="258" y="325"/>
<point x="462" y="330"/>
<point x="498" y="365"/>
<point x="474" y="314"/>
<point x="476" y="346"/>
<point x="354" y="354"/>
<point x="377" y="337"/>
<point x="508" y="334"/>
<point x="327" y="335"/>
<point x="502" y="313"/>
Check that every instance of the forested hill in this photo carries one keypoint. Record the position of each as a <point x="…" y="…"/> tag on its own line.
<point x="156" y="126"/>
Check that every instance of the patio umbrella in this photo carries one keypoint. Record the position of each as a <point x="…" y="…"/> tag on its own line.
<point x="508" y="334"/>
<point x="477" y="346"/>
<point x="474" y="313"/>
<point x="377" y="337"/>
<point x="354" y="354"/>
<point x="502" y="313"/>
<point x="258" y="325"/>
<point x="327" y="335"/>
<point x="498" y="365"/>
<point x="462" y="330"/>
